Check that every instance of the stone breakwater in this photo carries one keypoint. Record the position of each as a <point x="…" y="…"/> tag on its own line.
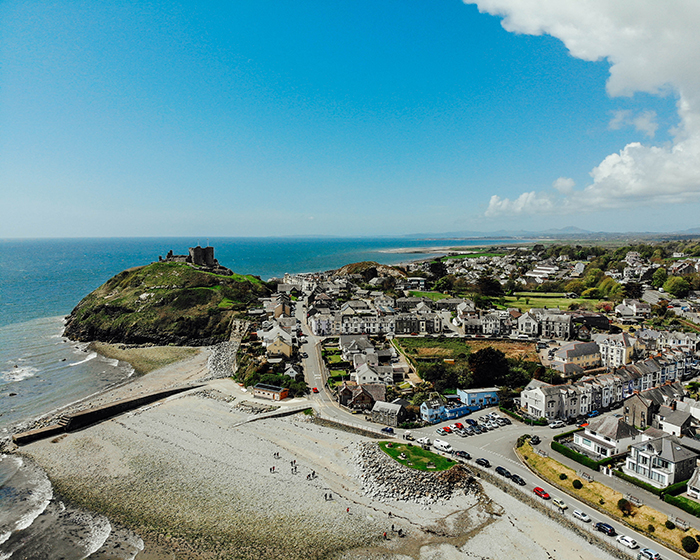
<point x="222" y="361"/>
<point x="383" y="479"/>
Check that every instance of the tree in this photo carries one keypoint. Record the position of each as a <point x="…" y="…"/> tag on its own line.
<point x="677" y="286"/>
<point x="659" y="277"/>
<point x="489" y="367"/>
<point x="591" y="293"/>
<point x="489" y="286"/>
<point x="575" y="286"/>
<point x="593" y="276"/>
<point x="625" y="506"/>
<point x="633" y="290"/>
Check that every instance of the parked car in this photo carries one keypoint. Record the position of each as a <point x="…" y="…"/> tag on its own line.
<point x="582" y="424"/>
<point x="629" y="542"/>
<point x="605" y="528"/>
<point x="441" y="431"/>
<point x="559" y="503"/>
<point x="463" y="455"/>
<point x="459" y="425"/>
<point x="462" y="433"/>
<point x="442" y="446"/>
<point x="408" y="436"/>
<point x="503" y="472"/>
<point x="593" y="413"/>
<point x="447" y="429"/>
<point x="578" y="514"/>
<point x="471" y="421"/>
<point x="541" y="493"/>
<point x="557" y="424"/>
<point x="535" y="440"/>
<point x="483" y="462"/>
<point x="477" y="430"/>
<point x="650" y="554"/>
<point x="388" y="430"/>
<point x="423" y="441"/>
<point x="315" y="389"/>
<point x="520" y="481"/>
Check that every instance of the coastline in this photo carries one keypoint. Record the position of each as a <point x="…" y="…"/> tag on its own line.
<point x="193" y="478"/>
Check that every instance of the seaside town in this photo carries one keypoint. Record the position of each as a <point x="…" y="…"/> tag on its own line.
<point x="561" y="380"/>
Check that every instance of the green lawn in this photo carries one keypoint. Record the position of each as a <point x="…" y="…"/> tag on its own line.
<point x="446" y="348"/>
<point x="473" y="256"/>
<point x="435" y="296"/>
<point x="526" y="300"/>
<point x="416" y="457"/>
<point x="334" y="358"/>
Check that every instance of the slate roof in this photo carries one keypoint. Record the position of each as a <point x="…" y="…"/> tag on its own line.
<point x="614" y="428"/>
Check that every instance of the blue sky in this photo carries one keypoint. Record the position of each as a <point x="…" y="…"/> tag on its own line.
<point x="347" y="118"/>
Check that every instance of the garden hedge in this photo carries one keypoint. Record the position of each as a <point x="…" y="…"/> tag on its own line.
<point x="685" y="504"/>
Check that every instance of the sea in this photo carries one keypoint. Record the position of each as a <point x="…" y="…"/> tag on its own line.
<point x="41" y="281"/>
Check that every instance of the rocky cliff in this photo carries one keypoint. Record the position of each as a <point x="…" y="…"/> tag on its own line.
<point x="164" y="303"/>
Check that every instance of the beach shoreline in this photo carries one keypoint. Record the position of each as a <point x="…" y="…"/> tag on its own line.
<point x="192" y="476"/>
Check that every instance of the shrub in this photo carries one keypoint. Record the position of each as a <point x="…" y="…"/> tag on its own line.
<point x="601" y="502"/>
<point x="689" y="544"/>
<point x="562" y="476"/>
<point x="577" y="484"/>
<point x="670" y="525"/>
<point x="685" y="504"/>
<point x="651" y="528"/>
<point x="625" y="506"/>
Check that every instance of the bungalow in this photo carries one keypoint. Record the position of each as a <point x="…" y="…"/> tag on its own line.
<point x="606" y="436"/>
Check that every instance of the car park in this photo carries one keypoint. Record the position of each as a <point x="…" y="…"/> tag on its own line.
<point x="578" y="514"/>
<point x="649" y="554"/>
<point x="519" y="480"/>
<point x="629" y="542"/>
<point x="483" y="462"/>
<point x="503" y="472"/>
<point x="605" y="528"/>
<point x="541" y="493"/>
<point x="535" y="440"/>
<point x="463" y="455"/>
<point x="557" y="424"/>
<point x="559" y="503"/>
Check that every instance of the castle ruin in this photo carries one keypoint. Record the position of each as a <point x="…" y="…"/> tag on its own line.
<point x="199" y="257"/>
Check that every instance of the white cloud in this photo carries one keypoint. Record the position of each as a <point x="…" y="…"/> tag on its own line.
<point x="526" y="203"/>
<point x="564" y="185"/>
<point x="644" y="122"/>
<point x="652" y="47"/>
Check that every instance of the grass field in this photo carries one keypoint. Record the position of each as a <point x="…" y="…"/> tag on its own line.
<point x="604" y="498"/>
<point x="145" y="359"/>
<point x="415" y="456"/>
<point x="525" y="302"/>
<point x="472" y="256"/>
<point x="451" y="348"/>
<point x="435" y="296"/>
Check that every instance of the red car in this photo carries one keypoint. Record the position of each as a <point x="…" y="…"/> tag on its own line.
<point x="459" y="425"/>
<point x="447" y="429"/>
<point x="315" y="390"/>
<point x="541" y="493"/>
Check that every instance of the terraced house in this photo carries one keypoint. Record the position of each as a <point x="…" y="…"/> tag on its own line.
<point x="542" y="400"/>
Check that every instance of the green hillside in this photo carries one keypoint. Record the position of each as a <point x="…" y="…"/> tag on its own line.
<point x="164" y="303"/>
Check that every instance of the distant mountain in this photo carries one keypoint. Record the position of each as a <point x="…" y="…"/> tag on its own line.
<point x="569" y="232"/>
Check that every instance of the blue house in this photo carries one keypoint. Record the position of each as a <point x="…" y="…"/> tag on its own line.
<point x="476" y="399"/>
<point x="437" y="409"/>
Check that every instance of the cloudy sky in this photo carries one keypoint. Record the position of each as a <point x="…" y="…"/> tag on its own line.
<point x="348" y="118"/>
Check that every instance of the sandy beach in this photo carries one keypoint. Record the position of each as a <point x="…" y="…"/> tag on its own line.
<point x="196" y="479"/>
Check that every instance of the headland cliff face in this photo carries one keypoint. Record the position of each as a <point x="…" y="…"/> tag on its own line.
<point x="164" y="303"/>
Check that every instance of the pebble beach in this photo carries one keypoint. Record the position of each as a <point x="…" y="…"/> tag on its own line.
<point x="195" y="478"/>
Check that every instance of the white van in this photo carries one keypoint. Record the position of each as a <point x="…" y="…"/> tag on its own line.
<point x="442" y="446"/>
